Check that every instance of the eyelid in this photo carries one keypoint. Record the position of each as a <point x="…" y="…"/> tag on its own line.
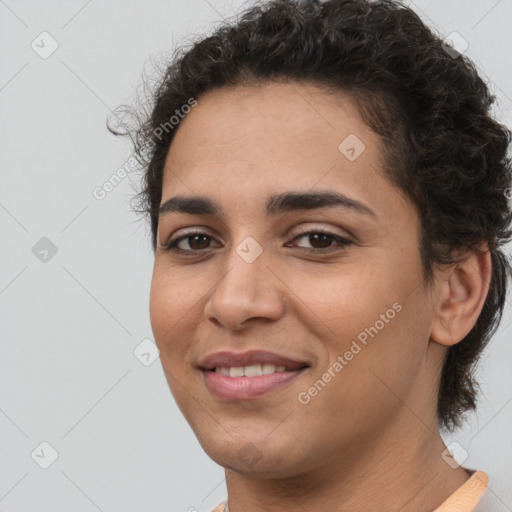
<point x="197" y="229"/>
<point x="312" y="226"/>
<point x="297" y="230"/>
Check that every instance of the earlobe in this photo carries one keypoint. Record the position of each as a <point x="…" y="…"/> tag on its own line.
<point x="463" y="288"/>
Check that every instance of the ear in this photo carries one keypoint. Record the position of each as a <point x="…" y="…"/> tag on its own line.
<point x="462" y="290"/>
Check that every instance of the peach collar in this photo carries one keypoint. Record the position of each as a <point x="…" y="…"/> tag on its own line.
<point x="467" y="496"/>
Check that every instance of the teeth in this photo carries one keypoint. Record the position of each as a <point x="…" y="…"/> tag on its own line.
<point x="236" y="371"/>
<point x="268" y="368"/>
<point x="253" y="370"/>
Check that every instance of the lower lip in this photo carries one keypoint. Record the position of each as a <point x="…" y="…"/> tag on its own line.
<point x="244" y="388"/>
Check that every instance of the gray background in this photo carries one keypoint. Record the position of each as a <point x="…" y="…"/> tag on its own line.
<point x="70" y="323"/>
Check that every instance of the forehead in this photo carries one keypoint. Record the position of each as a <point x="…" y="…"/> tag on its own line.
<point x="293" y="118"/>
<point x="254" y="141"/>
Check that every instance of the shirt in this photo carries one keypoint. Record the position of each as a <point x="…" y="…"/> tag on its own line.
<point x="472" y="496"/>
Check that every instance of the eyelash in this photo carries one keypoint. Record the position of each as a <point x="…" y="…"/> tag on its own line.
<point x="342" y="242"/>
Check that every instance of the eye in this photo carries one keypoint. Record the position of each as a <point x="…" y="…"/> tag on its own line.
<point x="196" y="241"/>
<point x="323" y="240"/>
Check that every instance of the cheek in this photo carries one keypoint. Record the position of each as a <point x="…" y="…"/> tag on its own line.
<point x="341" y="304"/>
<point x="384" y="356"/>
<point x="373" y="323"/>
<point x="168" y="307"/>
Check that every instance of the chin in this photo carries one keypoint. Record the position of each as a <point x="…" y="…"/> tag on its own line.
<point x="244" y="455"/>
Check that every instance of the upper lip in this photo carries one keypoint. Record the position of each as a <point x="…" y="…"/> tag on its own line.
<point x="238" y="359"/>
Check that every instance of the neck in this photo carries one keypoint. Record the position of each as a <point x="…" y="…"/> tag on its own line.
<point x="401" y="471"/>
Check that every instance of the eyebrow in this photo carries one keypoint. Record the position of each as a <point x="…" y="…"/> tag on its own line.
<point x="276" y="204"/>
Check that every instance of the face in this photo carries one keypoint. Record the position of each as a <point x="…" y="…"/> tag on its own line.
<point x="330" y="289"/>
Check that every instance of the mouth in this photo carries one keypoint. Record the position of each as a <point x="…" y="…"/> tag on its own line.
<point x="241" y="376"/>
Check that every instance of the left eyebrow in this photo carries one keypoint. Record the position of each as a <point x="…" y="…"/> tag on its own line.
<point x="276" y="204"/>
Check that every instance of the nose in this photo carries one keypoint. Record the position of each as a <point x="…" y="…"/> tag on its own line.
<point x="247" y="291"/>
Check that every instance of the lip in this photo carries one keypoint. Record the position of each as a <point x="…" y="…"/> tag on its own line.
<point x="228" y="388"/>
<point x="237" y="359"/>
<point x="245" y="388"/>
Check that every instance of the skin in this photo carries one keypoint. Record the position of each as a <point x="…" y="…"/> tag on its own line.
<point x="369" y="439"/>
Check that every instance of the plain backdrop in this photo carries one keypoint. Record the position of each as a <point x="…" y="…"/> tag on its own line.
<point x="76" y="270"/>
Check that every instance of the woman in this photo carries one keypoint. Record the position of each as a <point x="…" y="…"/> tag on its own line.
<point x="328" y="200"/>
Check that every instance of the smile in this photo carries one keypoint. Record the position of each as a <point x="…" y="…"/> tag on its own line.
<point x="232" y="376"/>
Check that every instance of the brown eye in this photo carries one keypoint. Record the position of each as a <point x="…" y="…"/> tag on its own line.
<point x="322" y="241"/>
<point x="196" y="242"/>
<point x="319" y="241"/>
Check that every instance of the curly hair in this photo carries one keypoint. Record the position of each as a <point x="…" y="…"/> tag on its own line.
<point x="428" y="104"/>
